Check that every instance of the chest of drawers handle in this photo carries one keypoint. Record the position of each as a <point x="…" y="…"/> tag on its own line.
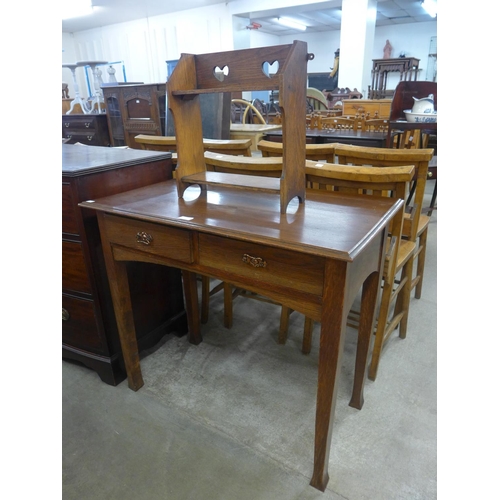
<point x="144" y="238"/>
<point x="254" y="261"/>
<point x="65" y="314"/>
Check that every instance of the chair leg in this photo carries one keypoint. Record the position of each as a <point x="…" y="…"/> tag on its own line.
<point x="228" y="305"/>
<point x="307" y="338"/>
<point x="205" y="297"/>
<point x="422" y="243"/>
<point x="432" y="206"/>
<point x="284" y="322"/>
<point x="403" y="299"/>
<point x="383" y="315"/>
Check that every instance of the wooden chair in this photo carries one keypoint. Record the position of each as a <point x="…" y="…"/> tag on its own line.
<point x="375" y="125"/>
<point x="245" y="112"/>
<point x="254" y="166"/>
<point x="405" y="134"/>
<point x="338" y="122"/>
<point x="374" y="181"/>
<point x="414" y="228"/>
<point x="316" y="101"/>
<point x="318" y="152"/>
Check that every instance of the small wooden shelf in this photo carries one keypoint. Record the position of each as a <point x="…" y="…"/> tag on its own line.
<point x="233" y="71"/>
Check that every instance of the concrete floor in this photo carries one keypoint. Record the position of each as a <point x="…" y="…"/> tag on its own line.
<point x="233" y="418"/>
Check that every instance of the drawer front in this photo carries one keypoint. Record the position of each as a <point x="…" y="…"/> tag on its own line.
<point x="74" y="271"/>
<point x="79" y="325"/>
<point x="162" y="241"/>
<point x="69" y="216"/>
<point x="262" y="263"/>
<point x="90" y="139"/>
<point x="80" y="123"/>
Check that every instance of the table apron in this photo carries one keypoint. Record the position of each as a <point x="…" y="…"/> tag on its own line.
<point x="289" y="277"/>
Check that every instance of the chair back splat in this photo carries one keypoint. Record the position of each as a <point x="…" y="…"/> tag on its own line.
<point x="319" y="152"/>
<point x="222" y="146"/>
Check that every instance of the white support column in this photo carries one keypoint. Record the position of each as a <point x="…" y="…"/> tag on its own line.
<point x="356" y="44"/>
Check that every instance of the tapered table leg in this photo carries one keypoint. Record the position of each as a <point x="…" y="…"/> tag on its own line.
<point x="333" y="326"/>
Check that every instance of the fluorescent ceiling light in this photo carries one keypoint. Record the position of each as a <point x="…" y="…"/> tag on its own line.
<point x="76" y="8"/>
<point x="430" y="6"/>
<point x="291" y="23"/>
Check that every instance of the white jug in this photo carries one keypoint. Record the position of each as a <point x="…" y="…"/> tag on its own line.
<point x="424" y="105"/>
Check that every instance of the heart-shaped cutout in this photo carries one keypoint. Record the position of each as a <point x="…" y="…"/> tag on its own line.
<point x="221" y="73"/>
<point x="270" y="69"/>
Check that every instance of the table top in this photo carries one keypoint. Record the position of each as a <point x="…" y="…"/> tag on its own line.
<point x="90" y="63"/>
<point x="253" y="127"/>
<point x="328" y="224"/>
<point x="341" y="133"/>
<point x="81" y="160"/>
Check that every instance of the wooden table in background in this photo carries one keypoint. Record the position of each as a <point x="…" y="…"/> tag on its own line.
<point x="251" y="131"/>
<point x="354" y="137"/>
<point x="314" y="259"/>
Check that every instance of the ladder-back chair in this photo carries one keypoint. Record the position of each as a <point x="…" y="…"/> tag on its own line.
<point x="371" y="181"/>
<point x="414" y="230"/>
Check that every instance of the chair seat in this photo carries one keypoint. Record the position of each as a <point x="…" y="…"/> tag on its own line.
<point x="423" y="222"/>
<point x="406" y="250"/>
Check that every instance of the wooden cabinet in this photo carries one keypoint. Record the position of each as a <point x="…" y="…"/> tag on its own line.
<point x="134" y="109"/>
<point x="89" y="330"/>
<point x="91" y="130"/>
<point x="352" y="107"/>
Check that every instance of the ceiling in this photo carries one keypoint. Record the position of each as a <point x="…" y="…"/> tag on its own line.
<point x="325" y="16"/>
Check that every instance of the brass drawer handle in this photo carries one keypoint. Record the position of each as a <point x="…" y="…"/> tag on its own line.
<point x="65" y="314"/>
<point x="254" y="261"/>
<point x="87" y="125"/>
<point x="144" y="238"/>
<point x="66" y="124"/>
<point x="90" y="137"/>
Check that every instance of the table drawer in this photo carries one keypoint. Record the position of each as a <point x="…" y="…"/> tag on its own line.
<point x="262" y="263"/>
<point x="74" y="271"/>
<point x="154" y="239"/>
<point x="79" y="324"/>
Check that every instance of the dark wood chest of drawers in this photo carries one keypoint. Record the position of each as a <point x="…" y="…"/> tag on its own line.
<point x="91" y="130"/>
<point x="89" y="330"/>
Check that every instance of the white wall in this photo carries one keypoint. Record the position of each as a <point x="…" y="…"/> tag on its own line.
<point x="414" y="39"/>
<point x="146" y="44"/>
